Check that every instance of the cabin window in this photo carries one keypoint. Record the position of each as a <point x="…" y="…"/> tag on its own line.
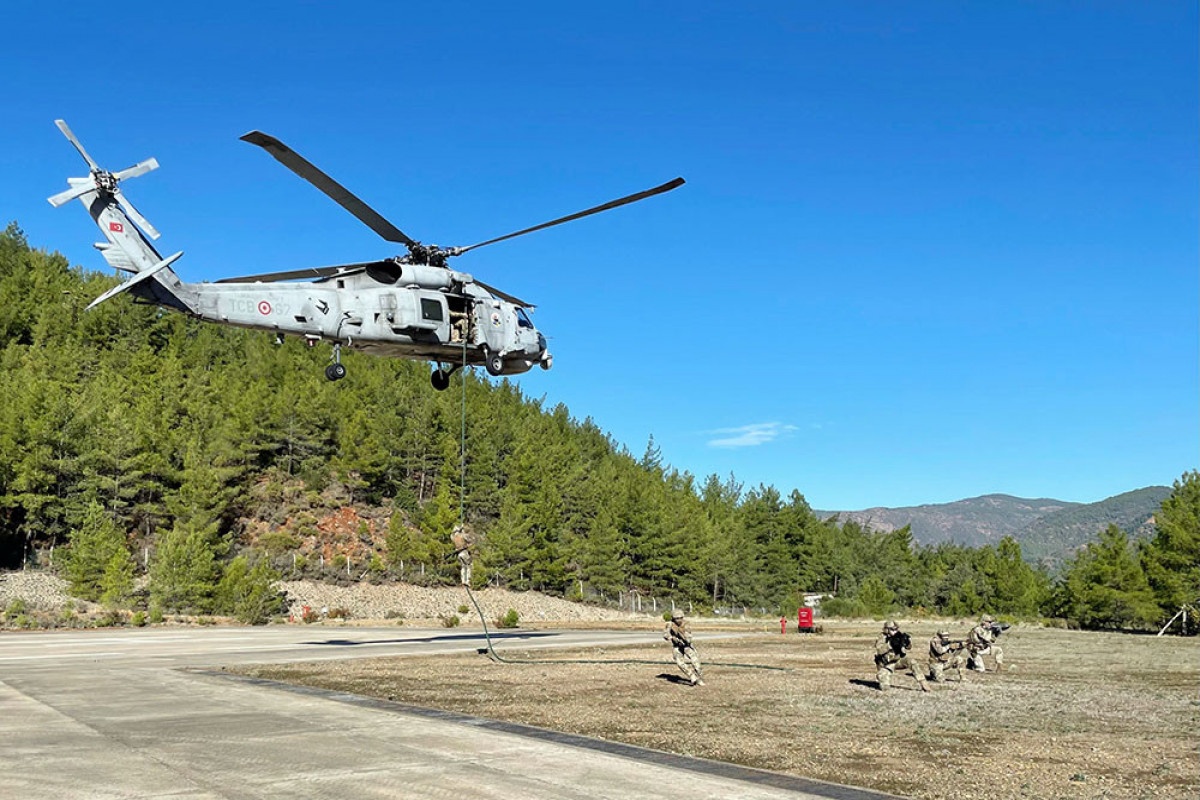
<point x="523" y="319"/>
<point x="431" y="309"/>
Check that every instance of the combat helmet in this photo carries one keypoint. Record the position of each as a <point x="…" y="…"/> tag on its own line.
<point x="943" y="634"/>
<point x="677" y="614"/>
<point x="988" y="619"/>
<point x="890" y="625"/>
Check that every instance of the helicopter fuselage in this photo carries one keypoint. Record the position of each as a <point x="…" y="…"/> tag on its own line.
<point x="456" y="324"/>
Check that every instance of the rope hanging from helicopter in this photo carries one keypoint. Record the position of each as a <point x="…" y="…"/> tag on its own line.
<point x="491" y="650"/>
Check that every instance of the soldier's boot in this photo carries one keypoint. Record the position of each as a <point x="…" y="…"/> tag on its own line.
<point x="961" y="674"/>
<point x="884" y="678"/>
<point x="924" y="686"/>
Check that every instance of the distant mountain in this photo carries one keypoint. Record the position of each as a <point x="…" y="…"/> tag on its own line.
<point x="1060" y="533"/>
<point x="1048" y="530"/>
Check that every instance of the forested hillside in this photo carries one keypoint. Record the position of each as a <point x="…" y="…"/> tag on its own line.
<point x="1059" y="534"/>
<point x="144" y="441"/>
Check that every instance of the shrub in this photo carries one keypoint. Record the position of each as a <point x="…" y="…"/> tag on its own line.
<point x="339" y="613"/>
<point x="111" y="619"/>
<point x="138" y="619"/>
<point x="843" y="607"/>
<point x="509" y="620"/>
<point x="450" y="620"/>
<point x="15" y="609"/>
<point x="463" y="609"/>
<point x="23" y="621"/>
<point x="156" y="614"/>
<point x="666" y="615"/>
<point x="309" y="616"/>
<point x="247" y="592"/>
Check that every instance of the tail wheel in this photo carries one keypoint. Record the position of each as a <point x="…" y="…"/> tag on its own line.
<point x="493" y="362"/>
<point x="335" y="372"/>
<point x="440" y="380"/>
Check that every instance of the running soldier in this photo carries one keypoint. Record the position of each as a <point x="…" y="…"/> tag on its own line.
<point x="891" y="654"/>
<point x="944" y="652"/>
<point x="981" y="642"/>
<point x="686" y="656"/>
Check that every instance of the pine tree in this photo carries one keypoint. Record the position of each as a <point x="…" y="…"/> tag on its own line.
<point x="94" y="545"/>
<point x="1105" y="586"/>
<point x="1172" y="558"/>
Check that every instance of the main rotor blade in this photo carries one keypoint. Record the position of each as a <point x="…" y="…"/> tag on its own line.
<point x="140" y="168"/>
<point x="338" y="193"/>
<point x="295" y="274"/>
<point x="66" y="131"/>
<point x="77" y="190"/>
<point x="502" y="295"/>
<point x="136" y="216"/>
<point x="633" y="198"/>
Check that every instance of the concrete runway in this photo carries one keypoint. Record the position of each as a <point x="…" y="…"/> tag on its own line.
<point x="126" y="714"/>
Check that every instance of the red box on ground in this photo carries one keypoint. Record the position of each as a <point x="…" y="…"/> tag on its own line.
<point x="804" y="619"/>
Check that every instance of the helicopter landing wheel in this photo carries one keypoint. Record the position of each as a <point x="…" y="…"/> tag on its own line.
<point x="494" y="362"/>
<point x="440" y="379"/>
<point x="335" y="372"/>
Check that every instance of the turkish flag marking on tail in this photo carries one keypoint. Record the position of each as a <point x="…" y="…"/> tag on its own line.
<point x="116" y="226"/>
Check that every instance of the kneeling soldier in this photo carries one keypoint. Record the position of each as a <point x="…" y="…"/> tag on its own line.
<point x="891" y="654"/>
<point x="943" y="652"/>
<point x="982" y="641"/>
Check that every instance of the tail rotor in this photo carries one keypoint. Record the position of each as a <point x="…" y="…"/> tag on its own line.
<point x="105" y="182"/>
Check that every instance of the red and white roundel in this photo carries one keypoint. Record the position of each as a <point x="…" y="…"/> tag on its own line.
<point x="264" y="307"/>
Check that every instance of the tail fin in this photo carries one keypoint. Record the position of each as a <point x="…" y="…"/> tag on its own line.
<point x="125" y="247"/>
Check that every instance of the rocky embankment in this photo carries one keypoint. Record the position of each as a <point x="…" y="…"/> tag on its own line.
<point x="44" y="591"/>
<point x="40" y="591"/>
<point x="391" y="601"/>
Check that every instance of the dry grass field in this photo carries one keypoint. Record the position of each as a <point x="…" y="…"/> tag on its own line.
<point x="1077" y="715"/>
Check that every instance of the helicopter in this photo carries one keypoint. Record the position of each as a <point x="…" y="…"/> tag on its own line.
<point x="411" y="306"/>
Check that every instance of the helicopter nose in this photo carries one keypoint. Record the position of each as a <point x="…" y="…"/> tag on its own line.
<point x="541" y="342"/>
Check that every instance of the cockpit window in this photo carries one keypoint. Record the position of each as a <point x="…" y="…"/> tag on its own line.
<point x="523" y="319"/>
<point x="431" y="309"/>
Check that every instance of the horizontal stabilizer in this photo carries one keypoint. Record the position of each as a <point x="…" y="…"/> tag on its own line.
<point x="116" y="257"/>
<point x="134" y="281"/>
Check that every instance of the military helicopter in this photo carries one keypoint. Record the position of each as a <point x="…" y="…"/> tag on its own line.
<point x="410" y="306"/>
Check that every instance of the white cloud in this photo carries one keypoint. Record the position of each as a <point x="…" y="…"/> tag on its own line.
<point x="750" y="435"/>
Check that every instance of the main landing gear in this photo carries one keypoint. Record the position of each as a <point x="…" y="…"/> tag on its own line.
<point x="440" y="378"/>
<point x="336" y="371"/>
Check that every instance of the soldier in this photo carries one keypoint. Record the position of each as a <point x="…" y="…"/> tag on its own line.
<point x="945" y="652"/>
<point x="463" y="539"/>
<point x="981" y="641"/>
<point x="891" y="654"/>
<point x="685" y="653"/>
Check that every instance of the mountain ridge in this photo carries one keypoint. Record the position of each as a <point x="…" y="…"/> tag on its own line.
<point x="1048" y="530"/>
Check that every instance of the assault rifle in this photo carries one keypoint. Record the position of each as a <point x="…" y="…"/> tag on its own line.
<point x="900" y="642"/>
<point x="999" y="628"/>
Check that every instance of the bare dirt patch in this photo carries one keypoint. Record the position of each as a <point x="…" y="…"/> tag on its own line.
<point x="1079" y="715"/>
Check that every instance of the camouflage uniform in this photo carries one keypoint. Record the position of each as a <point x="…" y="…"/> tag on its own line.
<point x="887" y="660"/>
<point x="686" y="656"/>
<point x="462" y="539"/>
<point x="943" y="653"/>
<point x="981" y="642"/>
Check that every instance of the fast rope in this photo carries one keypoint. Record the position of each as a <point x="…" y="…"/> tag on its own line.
<point x="491" y="651"/>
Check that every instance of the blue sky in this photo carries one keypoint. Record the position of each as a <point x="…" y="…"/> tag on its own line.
<point x="925" y="251"/>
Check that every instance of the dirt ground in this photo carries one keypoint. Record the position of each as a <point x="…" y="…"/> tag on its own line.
<point x="1074" y="714"/>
